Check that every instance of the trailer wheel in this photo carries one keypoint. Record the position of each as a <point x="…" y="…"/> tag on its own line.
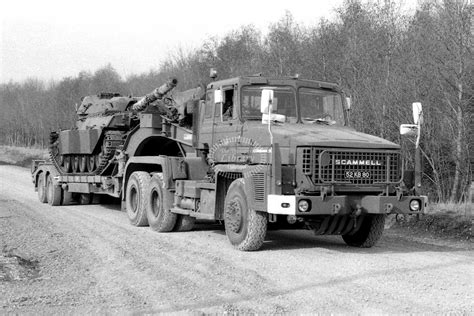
<point x="54" y="192"/>
<point x="68" y="198"/>
<point x="184" y="223"/>
<point x="245" y="228"/>
<point x="42" y="196"/>
<point x="160" y="219"/>
<point x="369" y="232"/>
<point x="136" y="195"/>
<point x="85" y="198"/>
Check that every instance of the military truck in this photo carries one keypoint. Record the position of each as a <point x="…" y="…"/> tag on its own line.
<point x="252" y="152"/>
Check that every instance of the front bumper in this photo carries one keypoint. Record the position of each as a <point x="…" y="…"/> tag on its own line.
<point x="344" y="204"/>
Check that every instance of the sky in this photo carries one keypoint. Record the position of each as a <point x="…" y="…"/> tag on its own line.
<point x="51" y="39"/>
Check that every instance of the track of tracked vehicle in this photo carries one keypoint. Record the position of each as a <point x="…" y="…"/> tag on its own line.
<point x="112" y="139"/>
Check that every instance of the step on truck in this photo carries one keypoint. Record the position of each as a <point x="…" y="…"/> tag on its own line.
<point x="252" y="152"/>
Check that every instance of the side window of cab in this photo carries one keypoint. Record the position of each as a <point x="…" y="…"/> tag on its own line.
<point x="228" y="105"/>
<point x="208" y="111"/>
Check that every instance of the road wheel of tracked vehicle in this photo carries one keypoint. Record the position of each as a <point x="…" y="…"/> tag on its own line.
<point x="245" y="228"/>
<point x="159" y="218"/>
<point x="53" y="192"/>
<point x="75" y="163"/>
<point x="66" y="164"/>
<point x="136" y="197"/>
<point x="184" y="223"/>
<point x="369" y="232"/>
<point x="82" y="163"/>
<point x="42" y="196"/>
<point x="90" y="162"/>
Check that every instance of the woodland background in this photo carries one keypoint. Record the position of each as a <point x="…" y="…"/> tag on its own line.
<point x="383" y="59"/>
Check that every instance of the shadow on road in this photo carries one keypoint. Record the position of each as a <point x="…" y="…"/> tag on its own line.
<point x="393" y="241"/>
<point x="389" y="243"/>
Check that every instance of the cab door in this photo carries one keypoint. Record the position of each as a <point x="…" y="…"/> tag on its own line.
<point x="226" y="121"/>
<point x="206" y="128"/>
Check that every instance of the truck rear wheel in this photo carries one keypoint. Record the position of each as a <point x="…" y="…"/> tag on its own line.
<point x="136" y="196"/>
<point x="245" y="228"/>
<point x="53" y="192"/>
<point x="369" y="232"/>
<point x="159" y="218"/>
<point x="184" y="223"/>
<point x="43" y="198"/>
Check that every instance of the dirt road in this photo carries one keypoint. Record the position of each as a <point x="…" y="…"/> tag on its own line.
<point x="88" y="259"/>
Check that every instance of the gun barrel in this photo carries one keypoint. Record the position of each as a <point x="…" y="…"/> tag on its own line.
<point x="157" y="94"/>
<point x="165" y="88"/>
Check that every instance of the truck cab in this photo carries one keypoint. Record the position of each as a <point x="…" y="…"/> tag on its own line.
<point x="300" y="161"/>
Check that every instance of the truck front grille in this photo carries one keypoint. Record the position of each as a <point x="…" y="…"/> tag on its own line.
<point x="350" y="166"/>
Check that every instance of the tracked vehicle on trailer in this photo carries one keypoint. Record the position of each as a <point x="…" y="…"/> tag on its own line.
<point x="250" y="151"/>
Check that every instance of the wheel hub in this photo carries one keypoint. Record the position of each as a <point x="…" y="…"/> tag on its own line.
<point x="233" y="216"/>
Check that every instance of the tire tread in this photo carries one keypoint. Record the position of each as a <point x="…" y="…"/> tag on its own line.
<point x="252" y="239"/>
<point x="166" y="220"/>
<point x="369" y="233"/>
<point x="42" y="195"/>
<point x="142" y="178"/>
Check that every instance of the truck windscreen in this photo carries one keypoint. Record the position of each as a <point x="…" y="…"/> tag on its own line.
<point x="284" y="102"/>
<point x="317" y="106"/>
<point x="320" y="106"/>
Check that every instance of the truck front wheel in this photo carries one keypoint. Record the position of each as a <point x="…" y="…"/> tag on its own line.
<point x="245" y="228"/>
<point x="136" y="196"/>
<point x="369" y="232"/>
<point x="159" y="218"/>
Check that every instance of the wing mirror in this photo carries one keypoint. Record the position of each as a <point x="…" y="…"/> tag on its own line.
<point x="218" y="96"/>
<point x="408" y="129"/>
<point x="417" y="113"/>
<point x="413" y="129"/>
<point x="266" y="101"/>
<point x="348" y="103"/>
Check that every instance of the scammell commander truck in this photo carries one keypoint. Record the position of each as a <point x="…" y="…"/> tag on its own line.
<point x="252" y="152"/>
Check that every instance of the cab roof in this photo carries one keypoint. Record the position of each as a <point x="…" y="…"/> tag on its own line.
<point x="261" y="80"/>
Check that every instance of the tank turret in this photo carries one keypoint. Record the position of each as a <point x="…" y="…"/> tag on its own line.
<point x="104" y="122"/>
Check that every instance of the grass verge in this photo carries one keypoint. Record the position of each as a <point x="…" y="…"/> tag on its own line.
<point x="21" y="156"/>
<point x="443" y="220"/>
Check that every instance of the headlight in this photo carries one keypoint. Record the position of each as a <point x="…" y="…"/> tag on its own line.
<point x="304" y="206"/>
<point x="414" y="205"/>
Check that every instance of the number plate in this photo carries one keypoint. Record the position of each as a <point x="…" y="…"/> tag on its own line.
<point x="357" y="174"/>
